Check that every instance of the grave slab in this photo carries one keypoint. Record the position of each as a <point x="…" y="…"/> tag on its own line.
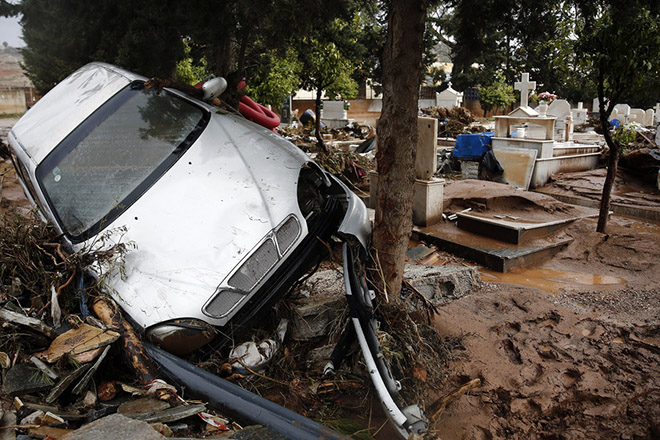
<point x="489" y="252"/>
<point x="513" y="231"/>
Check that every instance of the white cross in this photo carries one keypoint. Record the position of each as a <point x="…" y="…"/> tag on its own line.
<point x="580" y="106"/>
<point x="524" y="86"/>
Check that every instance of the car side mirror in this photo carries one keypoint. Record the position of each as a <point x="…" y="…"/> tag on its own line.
<point x="214" y="88"/>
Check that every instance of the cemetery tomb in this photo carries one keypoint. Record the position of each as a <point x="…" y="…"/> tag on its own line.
<point x="334" y="115"/>
<point x="550" y="156"/>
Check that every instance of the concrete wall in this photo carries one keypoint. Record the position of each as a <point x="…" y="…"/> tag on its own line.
<point x="361" y="110"/>
<point x="475" y="108"/>
<point x="12" y="101"/>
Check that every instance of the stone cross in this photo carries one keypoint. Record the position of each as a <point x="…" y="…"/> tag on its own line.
<point x="524" y="86"/>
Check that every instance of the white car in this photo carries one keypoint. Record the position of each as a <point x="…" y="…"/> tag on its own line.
<point x="224" y="214"/>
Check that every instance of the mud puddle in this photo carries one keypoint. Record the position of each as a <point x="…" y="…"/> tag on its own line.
<point x="550" y="280"/>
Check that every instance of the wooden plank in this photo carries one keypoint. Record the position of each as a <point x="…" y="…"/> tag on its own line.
<point x="34" y="324"/>
<point x="80" y="340"/>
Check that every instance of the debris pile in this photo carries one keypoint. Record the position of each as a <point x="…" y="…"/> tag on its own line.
<point x="453" y="122"/>
<point x="64" y="368"/>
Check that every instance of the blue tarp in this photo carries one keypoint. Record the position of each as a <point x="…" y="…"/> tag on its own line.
<point x="472" y="146"/>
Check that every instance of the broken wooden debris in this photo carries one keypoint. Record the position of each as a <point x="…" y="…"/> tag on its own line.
<point x="5" y="361"/>
<point x="49" y="432"/>
<point x="79" y="340"/>
<point x="65" y="382"/>
<point x="145" y="405"/>
<point x="172" y="414"/>
<point x="32" y="323"/>
<point x="108" y="311"/>
<point x="439" y="405"/>
<point x="88" y="356"/>
<point x="88" y="375"/>
<point x="44" y="368"/>
<point x="66" y="415"/>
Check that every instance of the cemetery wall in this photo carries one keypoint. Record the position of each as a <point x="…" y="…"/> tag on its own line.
<point x="12" y="101"/>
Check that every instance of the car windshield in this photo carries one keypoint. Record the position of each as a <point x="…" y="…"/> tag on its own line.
<point x="108" y="162"/>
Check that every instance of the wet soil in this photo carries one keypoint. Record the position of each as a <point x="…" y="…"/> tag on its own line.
<point x="568" y="349"/>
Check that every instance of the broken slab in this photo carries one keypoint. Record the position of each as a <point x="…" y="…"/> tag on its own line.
<point x="314" y="316"/>
<point x="64" y="383"/>
<point x="142" y="407"/>
<point x="441" y="284"/>
<point x="25" y="379"/>
<point x="115" y="426"/>
<point x="418" y="253"/>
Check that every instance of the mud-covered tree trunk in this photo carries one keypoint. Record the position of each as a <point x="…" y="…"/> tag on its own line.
<point x="397" y="140"/>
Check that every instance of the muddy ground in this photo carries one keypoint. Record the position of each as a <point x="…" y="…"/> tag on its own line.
<point x="569" y="349"/>
<point x="576" y="357"/>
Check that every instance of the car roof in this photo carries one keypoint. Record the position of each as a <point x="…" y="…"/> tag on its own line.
<point x="69" y="103"/>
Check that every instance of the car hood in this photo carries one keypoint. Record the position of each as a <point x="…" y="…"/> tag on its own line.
<point x="232" y="187"/>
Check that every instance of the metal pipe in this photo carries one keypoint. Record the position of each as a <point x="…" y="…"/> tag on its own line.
<point x="238" y="402"/>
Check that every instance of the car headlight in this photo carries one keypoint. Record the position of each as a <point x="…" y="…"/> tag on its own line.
<point x="181" y="336"/>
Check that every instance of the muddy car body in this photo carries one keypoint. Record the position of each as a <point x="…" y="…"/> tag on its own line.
<point x="223" y="215"/>
<point x="220" y="211"/>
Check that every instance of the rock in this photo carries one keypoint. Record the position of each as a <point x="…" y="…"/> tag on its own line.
<point x="8" y="419"/>
<point x="89" y="400"/>
<point x="315" y="316"/>
<point x="441" y="284"/>
<point x="318" y="358"/>
<point x="114" y="426"/>
<point x="325" y="283"/>
<point x="163" y="429"/>
<point x="256" y="432"/>
<point x="33" y="419"/>
<point x="24" y="379"/>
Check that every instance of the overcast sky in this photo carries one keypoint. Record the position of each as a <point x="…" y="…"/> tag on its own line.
<point x="10" y="31"/>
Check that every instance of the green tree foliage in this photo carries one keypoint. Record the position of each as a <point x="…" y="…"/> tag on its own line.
<point x="62" y="35"/>
<point x="277" y="78"/>
<point x="191" y="71"/>
<point x="513" y="36"/>
<point x="619" y="48"/>
<point x="8" y="9"/>
<point x="496" y="95"/>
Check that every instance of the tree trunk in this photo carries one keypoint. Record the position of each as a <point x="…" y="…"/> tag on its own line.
<point x="225" y="66"/>
<point x="397" y="140"/>
<point x="612" y="164"/>
<point x="317" y="122"/>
